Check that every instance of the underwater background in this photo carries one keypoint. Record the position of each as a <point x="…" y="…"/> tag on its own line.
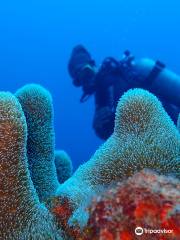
<point x="37" y="38"/>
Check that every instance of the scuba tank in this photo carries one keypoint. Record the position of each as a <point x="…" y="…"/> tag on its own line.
<point x="158" y="79"/>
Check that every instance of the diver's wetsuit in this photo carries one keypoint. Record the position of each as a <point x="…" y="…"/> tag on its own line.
<point x="111" y="84"/>
<point x="114" y="78"/>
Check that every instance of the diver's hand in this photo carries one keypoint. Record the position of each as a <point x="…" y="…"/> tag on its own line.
<point x="103" y="122"/>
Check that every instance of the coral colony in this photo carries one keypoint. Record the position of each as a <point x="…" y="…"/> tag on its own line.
<point x="132" y="180"/>
<point x="63" y="165"/>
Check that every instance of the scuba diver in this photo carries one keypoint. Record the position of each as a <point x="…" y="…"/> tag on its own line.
<point x="114" y="77"/>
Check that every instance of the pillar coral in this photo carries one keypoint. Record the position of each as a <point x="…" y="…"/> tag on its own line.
<point x="63" y="165"/>
<point x="144" y="137"/>
<point x="22" y="216"/>
<point x="37" y="106"/>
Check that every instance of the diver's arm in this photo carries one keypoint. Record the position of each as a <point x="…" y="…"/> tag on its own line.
<point x="103" y="122"/>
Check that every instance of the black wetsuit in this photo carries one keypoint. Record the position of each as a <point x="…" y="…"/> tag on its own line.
<point x="111" y="83"/>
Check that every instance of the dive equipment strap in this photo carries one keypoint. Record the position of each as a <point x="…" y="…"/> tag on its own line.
<point x="85" y="97"/>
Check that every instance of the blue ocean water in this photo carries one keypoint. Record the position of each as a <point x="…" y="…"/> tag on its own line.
<point x="36" y="39"/>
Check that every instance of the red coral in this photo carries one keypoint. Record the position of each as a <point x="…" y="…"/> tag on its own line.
<point x="146" y="199"/>
<point x="62" y="209"/>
